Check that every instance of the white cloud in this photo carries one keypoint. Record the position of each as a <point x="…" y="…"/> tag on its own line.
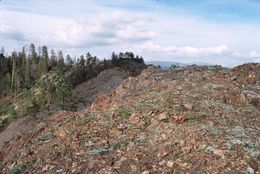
<point x="189" y="51"/>
<point x="101" y="30"/>
<point x="254" y="54"/>
<point x="4" y="28"/>
<point x="220" y="54"/>
<point x="159" y="36"/>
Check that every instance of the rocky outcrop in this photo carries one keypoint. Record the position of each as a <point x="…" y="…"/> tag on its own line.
<point x="247" y="76"/>
<point x="104" y="83"/>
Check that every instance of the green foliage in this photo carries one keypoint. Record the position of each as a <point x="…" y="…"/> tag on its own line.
<point x="28" y="104"/>
<point x="61" y="64"/>
<point x="64" y="96"/>
<point x="116" y="59"/>
<point x="31" y="82"/>
<point x="19" y="169"/>
<point x="87" y="118"/>
<point x="6" y="107"/>
<point x="174" y="66"/>
<point x="123" y="112"/>
<point x="83" y="100"/>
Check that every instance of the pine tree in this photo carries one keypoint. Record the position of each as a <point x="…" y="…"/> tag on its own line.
<point x="33" y="54"/>
<point x="8" y="83"/>
<point x="2" y="63"/>
<point x="64" y="97"/>
<point x="61" y="63"/>
<point x="45" y="57"/>
<point x="95" y="60"/>
<point x="82" y="60"/>
<point x="53" y="59"/>
<point x="114" y="58"/>
<point x="2" y="51"/>
<point x="89" y="57"/>
<point x="69" y="61"/>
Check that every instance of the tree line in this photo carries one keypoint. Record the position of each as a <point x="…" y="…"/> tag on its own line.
<point x="20" y="70"/>
<point x="32" y="80"/>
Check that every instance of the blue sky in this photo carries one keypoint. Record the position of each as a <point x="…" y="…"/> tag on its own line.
<point x="222" y="32"/>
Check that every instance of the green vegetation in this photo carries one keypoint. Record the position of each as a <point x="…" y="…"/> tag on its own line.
<point x="63" y="96"/>
<point x="19" y="169"/>
<point x="33" y="82"/>
<point x="123" y="112"/>
<point x="174" y="66"/>
<point x="87" y="118"/>
<point x="116" y="59"/>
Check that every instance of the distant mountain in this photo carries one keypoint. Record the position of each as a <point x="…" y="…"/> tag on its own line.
<point x="168" y="64"/>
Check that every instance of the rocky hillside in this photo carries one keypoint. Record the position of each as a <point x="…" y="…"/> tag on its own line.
<point x="188" y="120"/>
<point x="105" y="82"/>
<point x="86" y="82"/>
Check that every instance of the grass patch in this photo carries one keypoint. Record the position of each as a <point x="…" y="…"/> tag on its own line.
<point x="123" y="112"/>
<point x="87" y="118"/>
<point x="84" y="100"/>
<point x="19" y="169"/>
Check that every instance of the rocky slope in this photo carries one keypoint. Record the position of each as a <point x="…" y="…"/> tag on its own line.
<point x="105" y="82"/>
<point x="189" y="120"/>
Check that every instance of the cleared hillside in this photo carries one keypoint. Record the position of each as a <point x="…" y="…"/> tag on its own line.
<point x="189" y="120"/>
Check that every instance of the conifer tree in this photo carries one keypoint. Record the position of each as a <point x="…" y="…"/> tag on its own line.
<point x="33" y="54"/>
<point x="45" y="57"/>
<point x="61" y="63"/>
<point x="8" y="83"/>
<point x="69" y="61"/>
<point x="114" y="58"/>
<point x="64" y="97"/>
<point x="53" y="59"/>
<point x="89" y="57"/>
<point x="82" y="60"/>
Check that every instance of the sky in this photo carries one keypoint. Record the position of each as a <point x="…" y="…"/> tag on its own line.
<point x="225" y="32"/>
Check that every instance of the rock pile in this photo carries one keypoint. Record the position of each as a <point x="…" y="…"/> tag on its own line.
<point x="195" y="119"/>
